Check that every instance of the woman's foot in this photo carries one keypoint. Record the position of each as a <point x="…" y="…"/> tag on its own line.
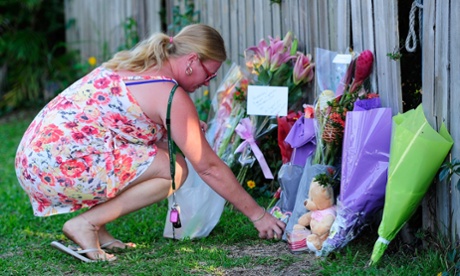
<point x="107" y="241"/>
<point x="85" y="234"/>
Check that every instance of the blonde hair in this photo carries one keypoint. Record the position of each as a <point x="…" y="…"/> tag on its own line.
<point x="152" y="52"/>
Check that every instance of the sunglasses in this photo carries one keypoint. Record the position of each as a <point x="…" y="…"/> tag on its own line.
<point x="209" y="76"/>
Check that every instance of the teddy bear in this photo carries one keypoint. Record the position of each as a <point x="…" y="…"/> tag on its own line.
<point x="321" y="215"/>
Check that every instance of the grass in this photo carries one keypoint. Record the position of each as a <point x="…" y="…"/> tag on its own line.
<point x="25" y="241"/>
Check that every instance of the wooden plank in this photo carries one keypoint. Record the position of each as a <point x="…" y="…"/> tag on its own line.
<point x="454" y="80"/>
<point x="242" y="42"/>
<point x="259" y="31"/>
<point x="342" y="29"/>
<point x="304" y="34"/>
<point x="251" y="38"/>
<point x="388" y="71"/>
<point x="438" y="109"/>
<point x="226" y="31"/>
<point x="314" y="26"/>
<point x="357" y="25"/>
<point x="294" y="18"/>
<point x="323" y="25"/>
<point x="235" y="33"/>
<point x="363" y="31"/>
<point x="428" y="60"/>
<point x="333" y="24"/>
<point x="428" y="87"/>
<point x="277" y="29"/>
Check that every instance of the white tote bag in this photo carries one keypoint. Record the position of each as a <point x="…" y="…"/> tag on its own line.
<point x="200" y="208"/>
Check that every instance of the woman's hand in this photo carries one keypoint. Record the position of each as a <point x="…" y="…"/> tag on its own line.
<point x="268" y="226"/>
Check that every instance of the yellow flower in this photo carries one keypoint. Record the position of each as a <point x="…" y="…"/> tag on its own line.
<point x="206" y="92"/>
<point x="92" y="61"/>
<point x="251" y="184"/>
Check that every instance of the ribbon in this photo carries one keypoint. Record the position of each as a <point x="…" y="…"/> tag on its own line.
<point x="246" y="131"/>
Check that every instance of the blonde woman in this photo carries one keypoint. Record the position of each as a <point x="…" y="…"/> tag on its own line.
<point x="101" y="143"/>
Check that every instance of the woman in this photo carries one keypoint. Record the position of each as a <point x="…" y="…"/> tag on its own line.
<point x="101" y="142"/>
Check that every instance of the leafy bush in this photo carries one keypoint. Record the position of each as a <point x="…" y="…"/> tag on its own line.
<point x="32" y="50"/>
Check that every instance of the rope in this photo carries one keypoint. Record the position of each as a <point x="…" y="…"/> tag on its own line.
<point x="411" y="40"/>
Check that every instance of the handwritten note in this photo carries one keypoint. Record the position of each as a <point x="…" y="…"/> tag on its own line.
<point x="267" y="100"/>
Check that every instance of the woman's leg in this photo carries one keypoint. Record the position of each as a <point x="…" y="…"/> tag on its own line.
<point x="152" y="186"/>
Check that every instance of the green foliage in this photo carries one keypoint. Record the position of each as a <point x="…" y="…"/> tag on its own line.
<point x="31" y="50"/>
<point x="203" y="106"/>
<point x="330" y="178"/>
<point x="131" y="34"/>
<point x="182" y="19"/>
<point x="394" y="55"/>
<point x="39" y="64"/>
<point x="448" y="169"/>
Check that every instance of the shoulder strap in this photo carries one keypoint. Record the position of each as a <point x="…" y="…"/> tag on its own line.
<point x="171" y="144"/>
<point x="148" y="81"/>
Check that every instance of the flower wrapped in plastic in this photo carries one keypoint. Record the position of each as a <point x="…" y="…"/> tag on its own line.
<point x="276" y="62"/>
<point x="228" y="107"/>
<point x="249" y="129"/>
<point x="332" y="109"/>
<point x="366" y="148"/>
<point x="302" y="139"/>
<point x="416" y="154"/>
<point x="330" y="113"/>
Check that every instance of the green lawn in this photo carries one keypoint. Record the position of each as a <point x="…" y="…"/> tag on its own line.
<point x="25" y="242"/>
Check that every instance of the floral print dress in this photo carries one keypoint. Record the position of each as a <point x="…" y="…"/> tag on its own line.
<point x="87" y="144"/>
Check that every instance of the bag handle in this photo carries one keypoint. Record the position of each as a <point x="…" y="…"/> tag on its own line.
<point x="171" y="144"/>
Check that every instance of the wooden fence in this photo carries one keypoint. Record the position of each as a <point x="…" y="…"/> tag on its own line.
<point x="334" y="25"/>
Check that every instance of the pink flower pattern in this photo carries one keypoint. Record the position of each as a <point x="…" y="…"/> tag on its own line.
<point x="86" y="145"/>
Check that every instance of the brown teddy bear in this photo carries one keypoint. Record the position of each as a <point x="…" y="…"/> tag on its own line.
<point x="322" y="214"/>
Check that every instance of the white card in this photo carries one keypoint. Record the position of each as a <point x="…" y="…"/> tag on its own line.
<point x="342" y="58"/>
<point x="267" y="100"/>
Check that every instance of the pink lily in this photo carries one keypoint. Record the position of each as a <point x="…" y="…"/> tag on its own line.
<point x="278" y="56"/>
<point x="287" y="40"/>
<point x="303" y="69"/>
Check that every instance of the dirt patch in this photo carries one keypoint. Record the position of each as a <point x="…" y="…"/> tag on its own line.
<point x="289" y="264"/>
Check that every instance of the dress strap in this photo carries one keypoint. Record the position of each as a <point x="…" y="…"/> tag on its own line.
<point x="149" y="81"/>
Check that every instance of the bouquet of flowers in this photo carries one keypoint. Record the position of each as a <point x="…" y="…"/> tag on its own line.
<point x="275" y="62"/>
<point x="366" y="147"/>
<point x="228" y="107"/>
<point x="416" y="154"/>
<point x="330" y="113"/>
<point x="331" y="110"/>
<point x="278" y="63"/>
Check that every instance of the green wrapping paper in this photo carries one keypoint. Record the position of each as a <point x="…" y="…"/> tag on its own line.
<point x="416" y="154"/>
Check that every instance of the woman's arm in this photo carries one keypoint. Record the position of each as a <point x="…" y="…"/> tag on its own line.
<point x="189" y="137"/>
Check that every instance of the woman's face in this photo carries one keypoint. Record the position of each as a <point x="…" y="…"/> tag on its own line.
<point x="203" y="71"/>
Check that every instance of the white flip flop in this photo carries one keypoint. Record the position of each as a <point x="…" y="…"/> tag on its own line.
<point x="79" y="254"/>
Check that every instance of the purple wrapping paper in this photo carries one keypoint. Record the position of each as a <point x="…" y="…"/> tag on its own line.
<point x="365" y="157"/>
<point x="302" y="139"/>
